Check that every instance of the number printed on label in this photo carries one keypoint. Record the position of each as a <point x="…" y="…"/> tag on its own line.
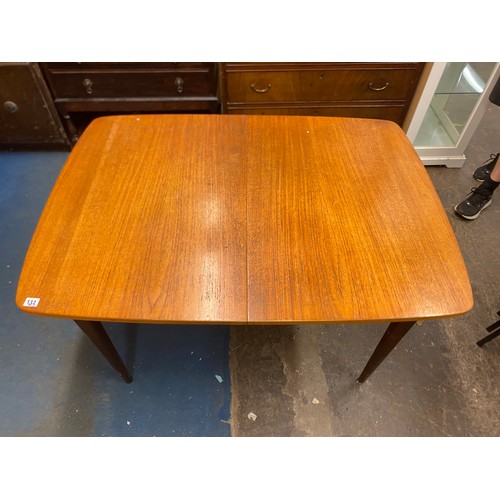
<point x="31" y="302"/>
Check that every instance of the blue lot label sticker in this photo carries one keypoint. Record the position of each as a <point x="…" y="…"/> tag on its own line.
<point x="31" y="302"/>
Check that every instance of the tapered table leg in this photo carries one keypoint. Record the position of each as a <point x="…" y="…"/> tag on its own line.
<point x="394" y="333"/>
<point x="97" y="334"/>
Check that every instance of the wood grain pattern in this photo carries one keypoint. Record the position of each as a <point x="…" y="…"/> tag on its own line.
<point x="345" y="225"/>
<point x="381" y="110"/>
<point x="320" y="85"/>
<point x="146" y="223"/>
<point x="357" y="90"/>
<point x="235" y="219"/>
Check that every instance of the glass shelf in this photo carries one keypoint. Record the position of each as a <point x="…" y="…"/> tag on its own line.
<point x="456" y="97"/>
<point x="464" y="78"/>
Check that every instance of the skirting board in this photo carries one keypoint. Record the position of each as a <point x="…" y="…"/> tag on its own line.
<point x="446" y="161"/>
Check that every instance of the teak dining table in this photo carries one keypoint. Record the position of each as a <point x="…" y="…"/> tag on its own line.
<point x="242" y="219"/>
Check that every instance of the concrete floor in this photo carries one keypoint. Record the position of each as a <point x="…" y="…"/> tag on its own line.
<point x="297" y="381"/>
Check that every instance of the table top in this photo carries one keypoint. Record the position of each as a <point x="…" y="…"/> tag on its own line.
<point x="243" y="219"/>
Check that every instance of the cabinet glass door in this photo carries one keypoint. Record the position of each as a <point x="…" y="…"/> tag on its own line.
<point x="455" y="100"/>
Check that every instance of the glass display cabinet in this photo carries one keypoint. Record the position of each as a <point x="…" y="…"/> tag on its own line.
<point x="451" y="106"/>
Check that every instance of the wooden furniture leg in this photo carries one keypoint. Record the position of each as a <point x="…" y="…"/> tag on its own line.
<point x="97" y="334"/>
<point x="71" y="129"/>
<point x="394" y="333"/>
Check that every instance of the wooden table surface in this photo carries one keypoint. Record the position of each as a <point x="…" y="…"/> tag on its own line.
<point x="244" y="219"/>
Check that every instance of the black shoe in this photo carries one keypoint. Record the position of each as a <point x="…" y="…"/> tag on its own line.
<point x="473" y="205"/>
<point x="482" y="173"/>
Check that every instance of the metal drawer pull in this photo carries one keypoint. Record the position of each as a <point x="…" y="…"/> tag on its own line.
<point x="179" y="85"/>
<point x="261" y="90"/>
<point x="87" y="83"/>
<point x="378" y="89"/>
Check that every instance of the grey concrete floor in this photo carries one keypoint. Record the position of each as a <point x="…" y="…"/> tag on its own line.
<point x="301" y="381"/>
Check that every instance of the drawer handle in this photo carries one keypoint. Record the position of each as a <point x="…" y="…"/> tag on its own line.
<point x="261" y="90"/>
<point x="179" y="85"/>
<point x="87" y="83"/>
<point x="376" y="88"/>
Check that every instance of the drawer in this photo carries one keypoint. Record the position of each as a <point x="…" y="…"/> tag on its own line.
<point x="123" y="84"/>
<point x="394" y="113"/>
<point x="319" y="85"/>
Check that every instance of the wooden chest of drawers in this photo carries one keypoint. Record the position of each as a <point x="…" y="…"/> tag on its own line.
<point x="82" y="91"/>
<point x="364" y="90"/>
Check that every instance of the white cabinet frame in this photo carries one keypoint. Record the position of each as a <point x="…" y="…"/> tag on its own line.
<point x="453" y="156"/>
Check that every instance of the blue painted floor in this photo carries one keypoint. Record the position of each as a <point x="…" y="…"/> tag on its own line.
<point x="53" y="381"/>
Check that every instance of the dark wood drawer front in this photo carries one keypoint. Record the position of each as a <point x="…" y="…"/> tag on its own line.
<point x="392" y="113"/>
<point x="127" y="84"/>
<point x="87" y="90"/>
<point x="328" y="85"/>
